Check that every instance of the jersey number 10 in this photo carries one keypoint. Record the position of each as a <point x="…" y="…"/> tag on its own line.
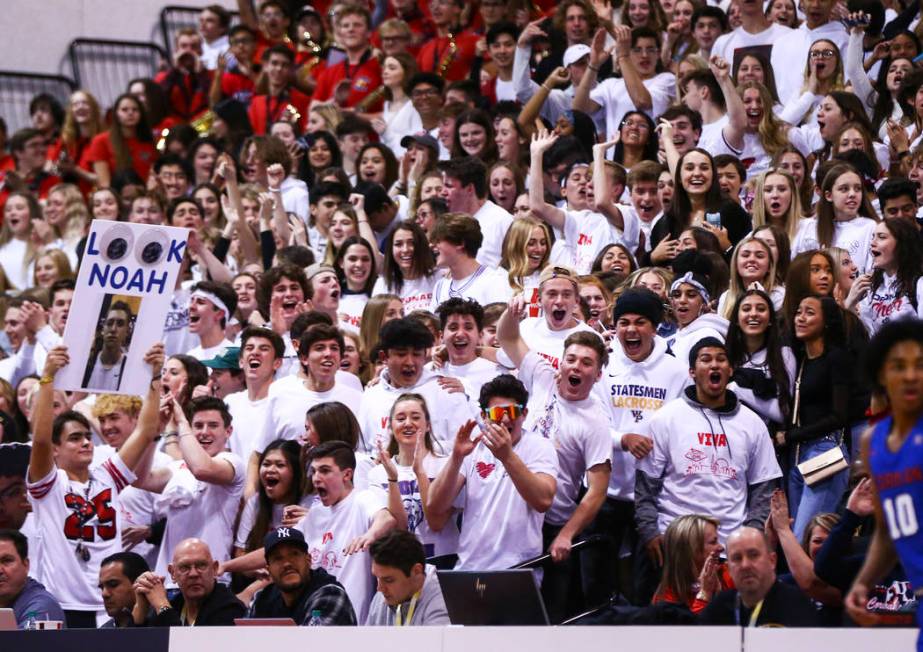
<point x="901" y="516"/>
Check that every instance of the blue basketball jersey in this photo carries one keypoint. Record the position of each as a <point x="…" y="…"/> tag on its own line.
<point x="899" y="481"/>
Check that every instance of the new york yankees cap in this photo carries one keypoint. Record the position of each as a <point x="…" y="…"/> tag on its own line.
<point x="280" y="535"/>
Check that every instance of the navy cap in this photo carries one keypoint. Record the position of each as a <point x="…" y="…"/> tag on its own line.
<point x="281" y="535"/>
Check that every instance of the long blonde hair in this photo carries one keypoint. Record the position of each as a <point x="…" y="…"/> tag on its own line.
<point x="683" y="545"/>
<point x="76" y="215"/>
<point x="514" y="258"/>
<point x="736" y="287"/>
<point x="370" y="329"/>
<point x="795" y="211"/>
<point x="70" y="132"/>
<point x="772" y="131"/>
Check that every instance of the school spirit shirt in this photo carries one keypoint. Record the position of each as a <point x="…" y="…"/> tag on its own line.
<point x="887" y="303"/>
<point x="415" y="294"/>
<point x="855" y="236"/>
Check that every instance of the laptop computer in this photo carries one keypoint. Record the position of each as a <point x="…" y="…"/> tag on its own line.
<point x="502" y="597"/>
<point x="264" y="622"/>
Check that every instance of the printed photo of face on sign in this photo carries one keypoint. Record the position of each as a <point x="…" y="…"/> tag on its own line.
<point x="111" y="343"/>
<point x="126" y="282"/>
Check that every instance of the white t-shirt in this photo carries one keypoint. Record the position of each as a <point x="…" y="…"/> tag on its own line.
<point x="403" y="122"/>
<point x="636" y="390"/>
<point x="210" y="516"/>
<point x="295" y="198"/>
<point x="579" y="431"/>
<point x="612" y="95"/>
<point x="448" y="411"/>
<point x="475" y="373"/>
<point x="328" y="530"/>
<point x="486" y="285"/>
<point x="106" y="378"/>
<point x="444" y="542"/>
<point x="252" y="508"/>
<point x="790" y="54"/>
<point x="887" y="303"/>
<point x="13" y="261"/>
<point x="540" y="339"/>
<point x="350" y="311"/>
<point x="494" y="223"/>
<point x="589" y="232"/>
<point x="499" y="528"/>
<point x="705" y="471"/>
<point x="70" y="513"/>
<point x="201" y="353"/>
<point x="244" y="415"/>
<point x="210" y="51"/>
<point x="727" y="44"/>
<point x="288" y="403"/>
<point x="855" y="236"/>
<point x="416" y="294"/>
<point x="136" y="507"/>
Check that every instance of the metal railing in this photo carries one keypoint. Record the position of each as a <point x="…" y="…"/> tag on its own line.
<point x="173" y="18"/>
<point x="18" y="88"/>
<point x="104" y="67"/>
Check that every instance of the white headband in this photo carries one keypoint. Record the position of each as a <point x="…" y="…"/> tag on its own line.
<point x="219" y="304"/>
<point x="688" y="278"/>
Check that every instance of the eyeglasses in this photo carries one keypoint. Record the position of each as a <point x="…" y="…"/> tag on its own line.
<point x="638" y="124"/>
<point x="495" y="414"/>
<point x="822" y="54"/>
<point x="185" y="569"/>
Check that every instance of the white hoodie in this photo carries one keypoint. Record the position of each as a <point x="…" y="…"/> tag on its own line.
<point x="636" y="390"/>
<point x="448" y="411"/>
<point x="707" y="325"/>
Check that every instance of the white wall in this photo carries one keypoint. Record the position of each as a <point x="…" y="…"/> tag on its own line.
<point x="36" y="33"/>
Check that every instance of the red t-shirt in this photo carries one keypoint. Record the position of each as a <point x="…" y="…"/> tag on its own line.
<point x="142" y="154"/>
<point x="437" y="50"/>
<point x="263" y="44"/>
<point x="303" y="57"/>
<point x="364" y="78"/>
<point x="79" y="153"/>
<point x="237" y="86"/>
<point x="264" y="110"/>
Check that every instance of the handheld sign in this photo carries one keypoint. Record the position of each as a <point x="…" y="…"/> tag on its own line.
<point x="126" y="280"/>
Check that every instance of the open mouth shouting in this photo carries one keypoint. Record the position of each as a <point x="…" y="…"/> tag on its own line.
<point x="632" y="345"/>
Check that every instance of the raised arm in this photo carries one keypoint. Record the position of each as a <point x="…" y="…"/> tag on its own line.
<point x="523" y="85"/>
<point x="444" y="489"/>
<point x="737" y="116"/>
<point x="637" y="91"/>
<point x="533" y="108"/>
<point x="541" y="143"/>
<point x="247" y="16"/>
<point x="508" y="330"/>
<point x="41" y="459"/>
<point x="395" y="500"/>
<point x="276" y="175"/>
<point x="598" y="56"/>
<point x="202" y="465"/>
<point x="148" y="427"/>
<point x="365" y="229"/>
<point x="601" y="200"/>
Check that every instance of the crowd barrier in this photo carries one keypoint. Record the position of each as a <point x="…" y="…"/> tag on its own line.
<point x="465" y="639"/>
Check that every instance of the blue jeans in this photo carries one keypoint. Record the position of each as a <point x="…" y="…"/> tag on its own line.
<point x="805" y="502"/>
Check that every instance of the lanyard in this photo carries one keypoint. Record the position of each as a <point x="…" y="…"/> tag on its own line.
<point x="398" y="621"/>
<point x="754" y="615"/>
<point x="281" y="101"/>
<point x="349" y="73"/>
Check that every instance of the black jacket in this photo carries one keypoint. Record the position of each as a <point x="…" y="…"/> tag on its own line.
<point x="221" y="607"/>
<point x="322" y="593"/>
<point x="783" y="606"/>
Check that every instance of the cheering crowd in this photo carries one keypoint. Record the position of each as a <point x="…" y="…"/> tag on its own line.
<point x="469" y="283"/>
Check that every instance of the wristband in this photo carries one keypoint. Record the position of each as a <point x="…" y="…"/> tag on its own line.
<point x="46" y="380"/>
<point x="277" y="189"/>
<point x="546" y="88"/>
<point x="592" y="67"/>
<point x="392" y="481"/>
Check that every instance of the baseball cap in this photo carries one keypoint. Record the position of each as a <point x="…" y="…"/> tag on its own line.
<point x="557" y="271"/>
<point x="279" y="535"/>
<point x="228" y="358"/>
<point x="422" y="138"/>
<point x="575" y="53"/>
<point x="317" y="268"/>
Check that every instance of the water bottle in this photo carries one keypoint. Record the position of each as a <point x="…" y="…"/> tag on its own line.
<point x="315" y="620"/>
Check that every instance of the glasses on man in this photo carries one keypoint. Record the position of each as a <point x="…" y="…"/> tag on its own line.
<point x="496" y="413"/>
<point x="198" y="566"/>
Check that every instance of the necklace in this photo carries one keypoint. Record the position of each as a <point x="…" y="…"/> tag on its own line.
<point x="453" y="292"/>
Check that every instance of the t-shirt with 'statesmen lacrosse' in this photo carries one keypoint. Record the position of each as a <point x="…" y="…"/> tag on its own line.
<point x="68" y="513"/>
<point x="500" y="529"/>
<point x="328" y="530"/>
<point x="579" y="431"/>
